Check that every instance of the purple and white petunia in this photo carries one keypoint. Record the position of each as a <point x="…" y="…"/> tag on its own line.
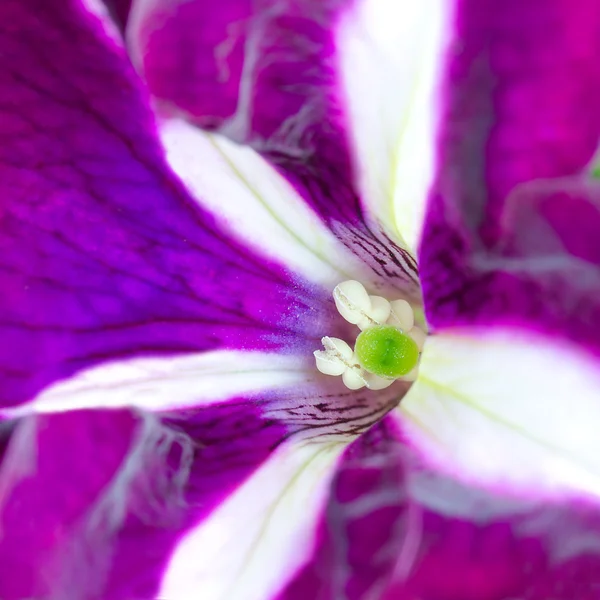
<point x="183" y="184"/>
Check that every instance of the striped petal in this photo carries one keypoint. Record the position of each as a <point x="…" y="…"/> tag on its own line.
<point x="104" y="253"/>
<point x="284" y="78"/>
<point x="394" y="530"/>
<point x="259" y="206"/>
<point x="268" y="521"/>
<point x="136" y="495"/>
<point x="95" y="502"/>
<point x="284" y="389"/>
<point x="127" y="504"/>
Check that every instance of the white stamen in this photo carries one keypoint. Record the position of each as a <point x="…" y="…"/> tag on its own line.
<point x="357" y="307"/>
<point x="353" y="379"/>
<point x="339" y="348"/>
<point x="402" y="315"/>
<point x="377" y="315"/>
<point x="419" y="336"/>
<point x="352" y="301"/>
<point x="327" y="364"/>
<point x="336" y="358"/>
<point x="374" y="382"/>
<point x="411" y="375"/>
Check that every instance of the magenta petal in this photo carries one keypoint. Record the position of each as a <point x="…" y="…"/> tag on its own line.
<point x="194" y="55"/>
<point x="521" y="87"/>
<point x="55" y="469"/>
<point x="577" y="578"/>
<point x="95" y="501"/>
<point x="378" y="539"/>
<point x="266" y="75"/>
<point x="544" y="275"/>
<point x="102" y="253"/>
<point x="523" y="555"/>
<point x="520" y="123"/>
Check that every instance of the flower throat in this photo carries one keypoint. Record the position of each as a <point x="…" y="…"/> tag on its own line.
<point x="387" y="349"/>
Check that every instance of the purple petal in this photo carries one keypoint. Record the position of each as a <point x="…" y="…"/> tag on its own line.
<point x="394" y="531"/>
<point x="186" y="63"/>
<point x="520" y="101"/>
<point x="519" y="129"/>
<point x="520" y="556"/>
<point x="95" y="501"/>
<point x="463" y="560"/>
<point x="266" y="75"/>
<point x="103" y="253"/>
<point x="55" y="468"/>
<point x="543" y="275"/>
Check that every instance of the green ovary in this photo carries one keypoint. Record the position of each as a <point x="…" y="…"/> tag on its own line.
<point x="386" y="351"/>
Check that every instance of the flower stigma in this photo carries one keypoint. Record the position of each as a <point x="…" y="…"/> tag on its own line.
<point x="387" y="349"/>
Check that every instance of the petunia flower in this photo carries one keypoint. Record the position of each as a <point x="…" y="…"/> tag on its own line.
<point x="166" y="431"/>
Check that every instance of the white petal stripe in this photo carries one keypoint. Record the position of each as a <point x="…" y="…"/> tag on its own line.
<point x="167" y="383"/>
<point x="508" y="410"/>
<point x="390" y="63"/>
<point x="255" y="542"/>
<point x="258" y="204"/>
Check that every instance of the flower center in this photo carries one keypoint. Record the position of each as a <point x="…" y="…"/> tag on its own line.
<point x="385" y="351"/>
<point x="388" y="347"/>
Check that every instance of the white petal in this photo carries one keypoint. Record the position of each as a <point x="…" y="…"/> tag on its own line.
<point x="255" y="202"/>
<point x="390" y="52"/>
<point x="507" y="410"/>
<point x="157" y="384"/>
<point x="258" y="538"/>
